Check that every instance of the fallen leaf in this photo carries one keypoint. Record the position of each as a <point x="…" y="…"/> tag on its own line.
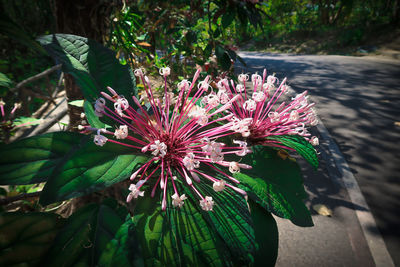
<point x="283" y="154"/>
<point x="144" y="44"/>
<point x="322" y="210"/>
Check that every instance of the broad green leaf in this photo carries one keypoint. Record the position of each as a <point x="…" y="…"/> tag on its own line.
<point x="241" y="60"/>
<point x="11" y="29"/>
<point x="123" y="249"/>
<point x="207" y="51"/>
<point x="232" y="220"/>
<point x="232" y="54"/>
<point x="90" y="169"/>
<point x="267" y="236"/>
<point x="32" y="160"/>
<point x="227" y="18"/>
<point x="86" y="235"/>
<point x="76" y="103"/>
<point x="93" y="66"/>
<point x="5" y="81"/>
<point x="276" y="199"/>
<point x="223" y="57"/>
<point x="26" y="121"/>
<point x="275" y="184"/>
<point x="26" y="237"/>
<point x="298" y="143"/>
<point x="178" y="237"/>
<point x="270" y="166"/>
<point x="217" y="33"/>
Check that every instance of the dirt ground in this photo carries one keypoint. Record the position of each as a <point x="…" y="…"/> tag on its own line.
<point x="384" y="43"/>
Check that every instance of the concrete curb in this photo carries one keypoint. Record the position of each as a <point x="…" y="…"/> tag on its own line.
<point x="347" y="180"/>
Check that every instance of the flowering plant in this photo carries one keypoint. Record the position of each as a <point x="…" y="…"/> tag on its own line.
<point x="206" y="168"/>
<point x="9" y="123"/>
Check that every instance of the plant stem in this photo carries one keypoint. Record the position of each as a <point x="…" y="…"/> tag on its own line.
<point x="36" y="77"/>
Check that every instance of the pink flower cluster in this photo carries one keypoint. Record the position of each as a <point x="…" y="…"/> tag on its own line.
<point x="257" y="114"/>
<point x="183" y="139"/>
<point x="180" y="139"/>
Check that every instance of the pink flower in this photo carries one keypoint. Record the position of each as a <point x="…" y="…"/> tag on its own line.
<point x="207" y="203"/>
<point x="178" y="139"/>
<point x="178" y="201"/>
<point x="259" y="113"/>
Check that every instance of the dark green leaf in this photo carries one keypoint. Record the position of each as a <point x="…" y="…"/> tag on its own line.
<point x="11" y="29"/>
<point x="26" y="237"/>
<point x="191" y="37"/>
<point x="276" y="184"/>
<point x="93" y="66"/>
<point x="217" y="33"/>
<point x="31" y="160"/>
<point x="267" y="236"/>
<point x="85" y="235"/>
<point x="241" y="13"/>
<point x="232" y="220"/>
<point x="219" y="51"/>
<point x="123" y="249"/>
<point x="207" y="51"/>
<point x="232" y="54"/>
<point x="223" y="58"/>
<point x="90" y="169"/>
<point x="282" y="171"/>
<point x="241" y="60"/>
<point x="227" y="18"/>
<point x="304" y="148"/>
<point x="4" y="81"/>
<point x="179" y="237"/>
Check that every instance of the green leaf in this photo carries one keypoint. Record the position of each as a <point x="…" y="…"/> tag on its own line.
<point x="93" y="66"/>
<point x="5" y="81"/>
<point x="207" y="51"/>
<point x="217" y="33"/>
<point x="223" y="58"/>
<point x="178" y="237"/>
<point x="276" y="185"/>
<point x="76" y="103"/>
<point x="26" y="237"/>
<point x="90" y="169"/>
<point x="11" y="29"/>
<point x="232" y="220"/>
<point x="32" y="160"/>
<point x="86" y="235"/>
<point x="227" y="18"/>
<point x="267" y="236"/>
<point x="123" y="249"/>
<point x="304" y="148"/>
<point x="219" y="51"/>
<point x="241" y="60"/>
<point x="276" y="199"/>
<point x="28" y="121"/>
<point x="91" y="117"/>
<point x="232" y="54"/>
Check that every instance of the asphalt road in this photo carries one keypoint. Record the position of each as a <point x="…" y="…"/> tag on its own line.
<point x="358" y="100"/>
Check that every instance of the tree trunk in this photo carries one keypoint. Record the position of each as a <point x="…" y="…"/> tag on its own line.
<point x="88" y="18"/>
<point x="396" y="12"/>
